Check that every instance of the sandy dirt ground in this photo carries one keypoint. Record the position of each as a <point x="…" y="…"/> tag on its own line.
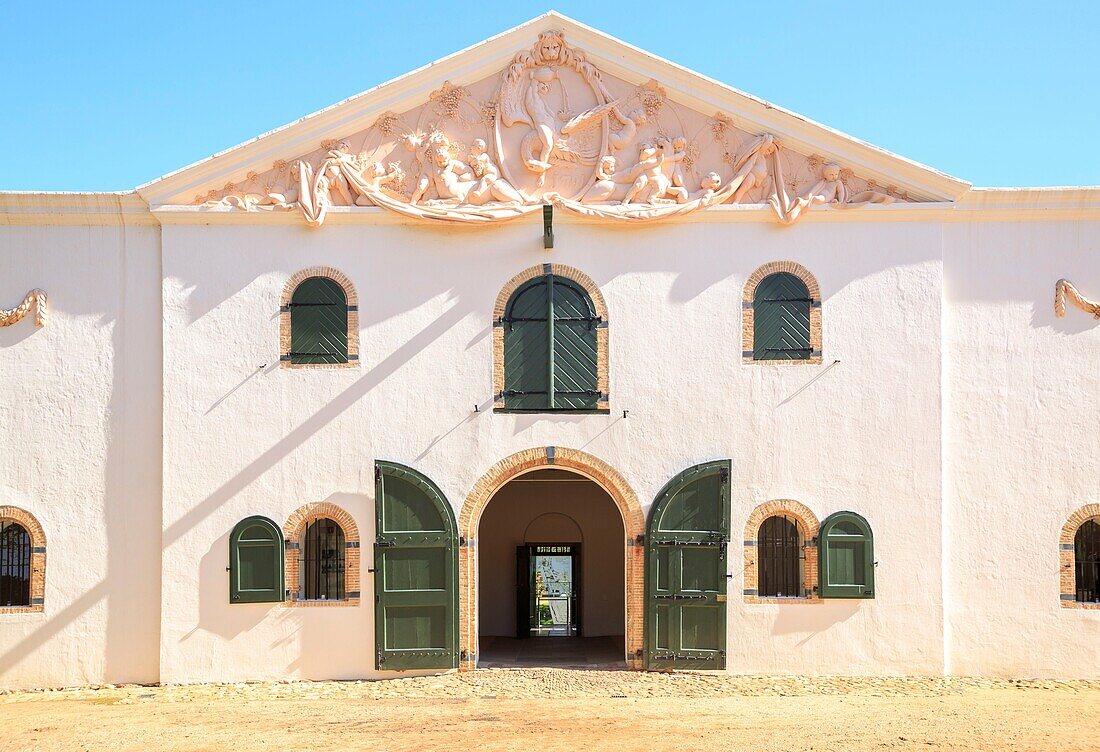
<point x="558" y="709"/>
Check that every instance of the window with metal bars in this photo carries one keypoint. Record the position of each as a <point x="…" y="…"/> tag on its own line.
<point x="1086" y="554"/>
<point x="319" y="322"/>
<point x="550" y="347"/>
<point x="781" y="318"/>
<point x="323" y="561"/>
<point x="15" y="565"/>
<point x="779" y="558"/>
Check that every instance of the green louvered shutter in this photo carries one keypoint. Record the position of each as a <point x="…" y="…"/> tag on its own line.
<point x="527" y="347"/>
<point x="846" y="557"/>
<point x="256" y="562"/>
<point x="685" y="570"/>
<point x="415" y="572"/>
<point x="550" y="347"/>
<point x="781" y="319"/>
<point x="318" y="322"/>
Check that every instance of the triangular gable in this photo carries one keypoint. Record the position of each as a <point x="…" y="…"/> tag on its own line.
<point x="601" y="98"/>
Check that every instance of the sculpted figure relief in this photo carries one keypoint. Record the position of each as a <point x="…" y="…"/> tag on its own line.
<point x="550" y="128"/>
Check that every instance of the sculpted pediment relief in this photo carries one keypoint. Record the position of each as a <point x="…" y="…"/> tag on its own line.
<point x="552" y="128"/>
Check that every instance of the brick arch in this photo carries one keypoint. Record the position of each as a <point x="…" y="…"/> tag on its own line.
<point x="292" y="534"/>
<point x="808" y="527"/>
<point x="748" y="317"/>
<point x="598" y="302"/>
<point x="28" y="522"/>
<point x="558" y="458"/>
<point x="352" y="296"/>
<point x="1067" y="569"/>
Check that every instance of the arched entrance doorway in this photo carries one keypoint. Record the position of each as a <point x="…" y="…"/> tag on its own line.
<point x="561" y="498"/>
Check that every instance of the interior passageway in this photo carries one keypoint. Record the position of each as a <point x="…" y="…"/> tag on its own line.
<point x="551" y="560"/>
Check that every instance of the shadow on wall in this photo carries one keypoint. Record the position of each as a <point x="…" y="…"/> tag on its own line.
<point x="131" y="584"/>
<point x="216" y="614"/>
<point x="811" y="620"/>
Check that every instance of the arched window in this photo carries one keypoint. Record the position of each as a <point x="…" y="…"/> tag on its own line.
<point x="256" y="562"/>
<point x="319" y="320"/>
<point x="781" y="326"/>
<point x="847" y="557"/>
<point x="15" y="565"/>
<point x="552" y="348"/>
<point x="782" y="311"/>
<point x="779" y="549"/>
<point x="323" y="561"/>
<point x="1086" y="558"/>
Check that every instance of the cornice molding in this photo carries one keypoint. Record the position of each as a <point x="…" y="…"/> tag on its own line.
<point x="50" y="208"/>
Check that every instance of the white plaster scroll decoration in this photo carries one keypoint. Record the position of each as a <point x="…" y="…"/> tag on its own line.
<point x="549" y="128"/>
<point x="36" y="298"/>
<point x="1064" y="289"/>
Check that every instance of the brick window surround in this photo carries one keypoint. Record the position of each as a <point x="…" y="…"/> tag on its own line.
<point x="598" y="302"/>
<point x="807" y="525"/>
<point x="339" y="278"/>
<point x="38" y="559"/>
<point x="558" y="458"/>
<point x="1067" y="565"/>
<point x="292" y="533"/>
<point x="748" y="318"/>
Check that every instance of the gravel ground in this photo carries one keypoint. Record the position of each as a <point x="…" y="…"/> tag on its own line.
<point x="557" y="709"/>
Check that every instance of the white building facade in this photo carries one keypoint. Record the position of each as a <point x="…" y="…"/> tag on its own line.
<point x="815" y="413"/>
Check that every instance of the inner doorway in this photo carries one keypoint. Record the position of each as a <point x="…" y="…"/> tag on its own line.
<point x="547" y="586"/>
<point x="551" y="570"/>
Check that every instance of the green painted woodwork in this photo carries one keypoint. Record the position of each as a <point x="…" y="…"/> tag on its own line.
<point x="550" y="350"/>
<point x="415" y="572"/>
<point x="846" y="557"/>
<point x="318" y="322"/>
<point x="256" y="558"/>
<point x="685" y="571"/>
<point x="781" y="319"/>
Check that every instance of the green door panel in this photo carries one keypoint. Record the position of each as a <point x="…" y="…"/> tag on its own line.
<point x="685" y="582"/>
<point x="415" y="572"/>
<point x="319" y="322"/>
<point x="256" y="558"/>
<point x="550" y="347"/>
<point x="781" y="319"/>
<point x="846" y="557"/>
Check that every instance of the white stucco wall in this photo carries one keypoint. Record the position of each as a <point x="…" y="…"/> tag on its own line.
<point x="80" y="450"/>
<point x="1022" y="453"/>
<point x="240" y="440"/>
<point x="136" y="584"/>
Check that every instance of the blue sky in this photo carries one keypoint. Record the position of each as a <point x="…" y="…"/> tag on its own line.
<point x="104" y="96"/>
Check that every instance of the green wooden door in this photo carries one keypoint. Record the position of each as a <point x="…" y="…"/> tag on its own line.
<point x="415" y="572"/>
<point x="686" y="542"/>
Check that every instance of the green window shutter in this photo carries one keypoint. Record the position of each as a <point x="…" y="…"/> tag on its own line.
<point x="781" y="319"/>
<point x="415" y="572"/>
<point x="550" y="347"/>
<point x="846" y="557"/>
<point x="527" y="347"/>
<point x="575" y="322"/>
<point x="685" y="570"/>
<point x="256" y="562"/>
<point x="318" y="322"/>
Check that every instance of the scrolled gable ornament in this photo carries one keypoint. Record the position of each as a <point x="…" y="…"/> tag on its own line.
<point x="34" y="299"/>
